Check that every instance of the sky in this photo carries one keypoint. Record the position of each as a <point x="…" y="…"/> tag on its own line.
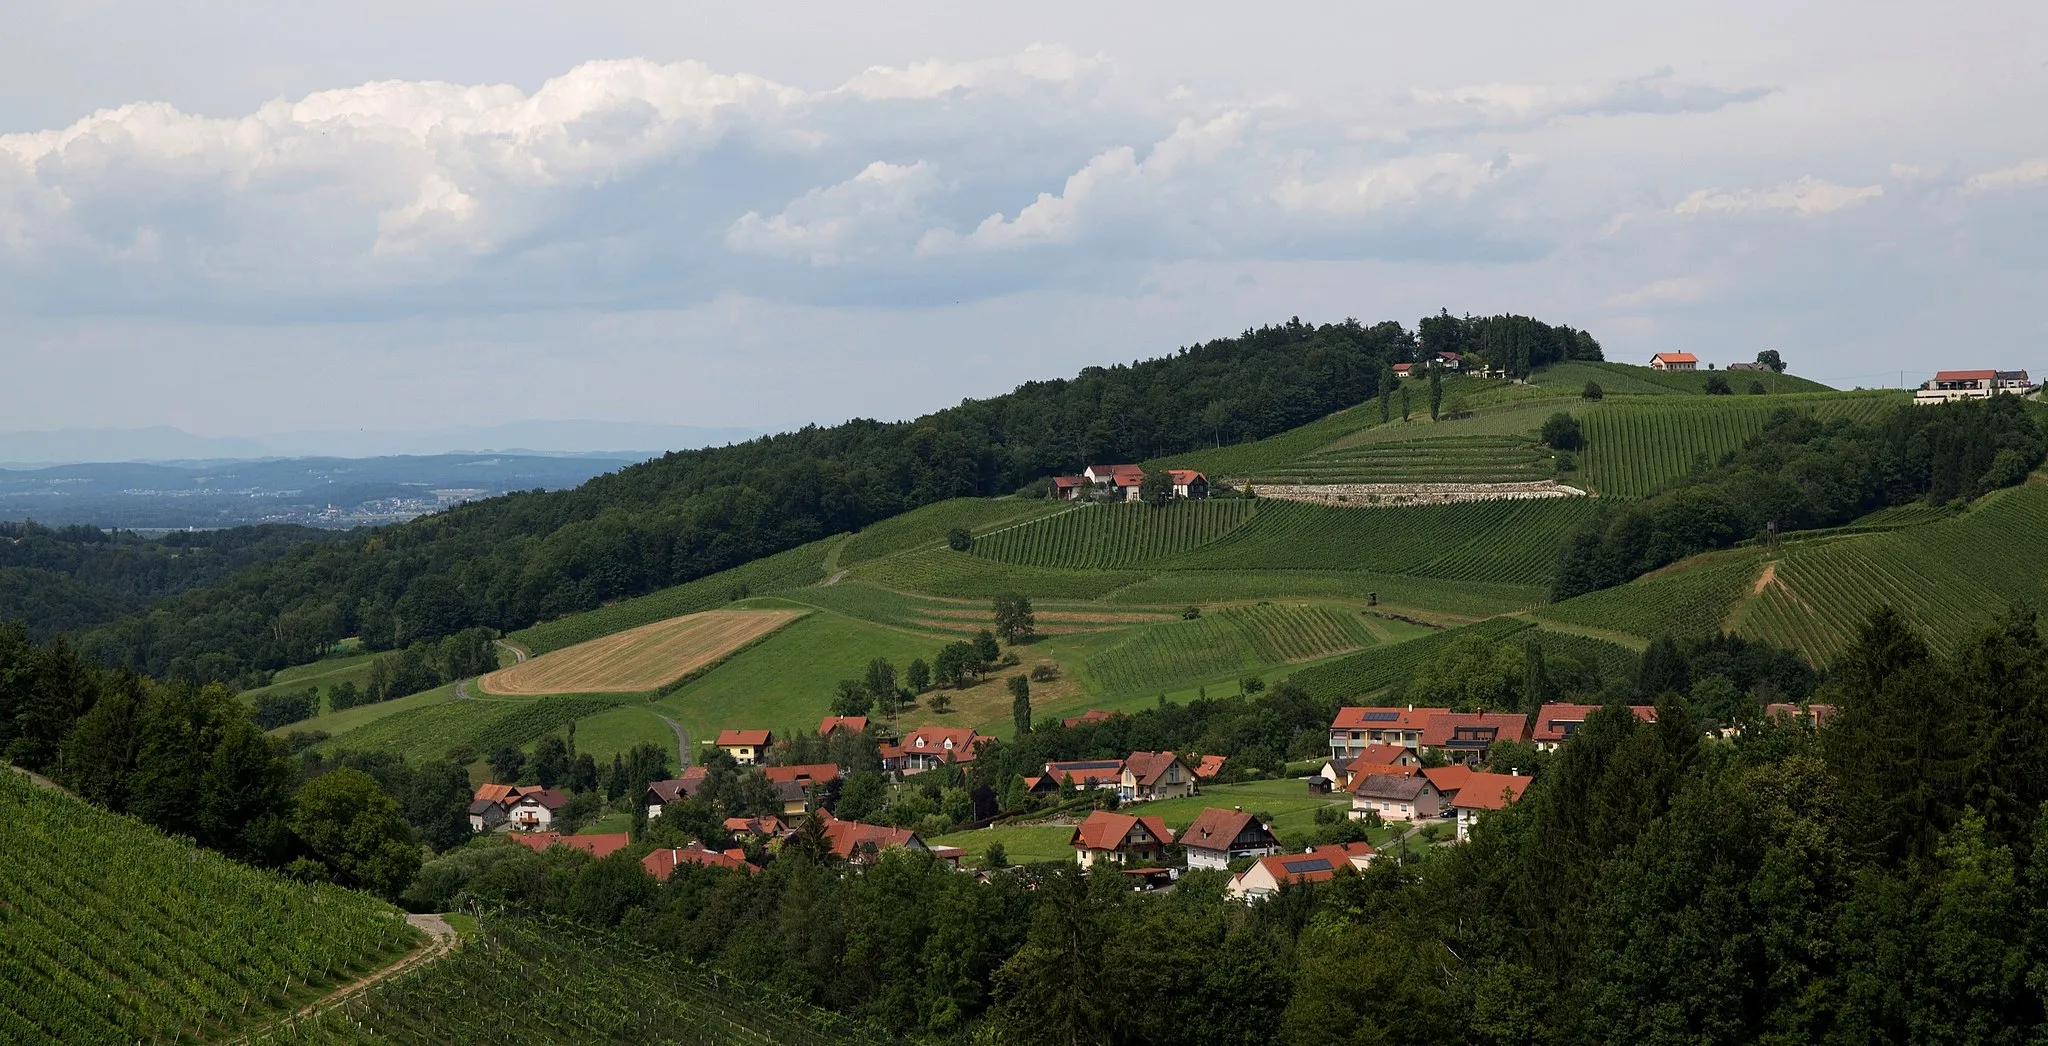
<point x="393" y="216"/>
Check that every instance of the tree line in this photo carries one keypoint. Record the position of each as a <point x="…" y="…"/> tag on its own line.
<point x="508" y="562"/>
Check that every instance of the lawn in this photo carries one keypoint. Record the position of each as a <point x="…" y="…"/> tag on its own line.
<point x="1022" y="844"/>
<point x="615" y="732"/>
<point x="618" y="822"/>
<point x="322" y="674"/>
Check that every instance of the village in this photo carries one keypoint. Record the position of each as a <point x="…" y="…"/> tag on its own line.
<point x="1428" y="775"/>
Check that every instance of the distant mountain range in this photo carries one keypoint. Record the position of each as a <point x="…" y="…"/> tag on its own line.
<point x="621" y="439"/>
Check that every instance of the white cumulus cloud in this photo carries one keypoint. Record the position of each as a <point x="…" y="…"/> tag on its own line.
<point x="1807" y="196"/>
<point x="842" y="222"/>
<point x="2025" y="173"/>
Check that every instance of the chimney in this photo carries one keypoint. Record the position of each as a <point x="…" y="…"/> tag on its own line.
<point x="1514" y="771"/>
<point x="1411" y="706"/>
<point x="1237" y="809"/>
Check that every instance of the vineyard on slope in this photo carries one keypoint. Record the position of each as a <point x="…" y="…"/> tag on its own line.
<point x="1635" y="448"/>
<point x="1116" y="535"/>
<point x="116" y="933"/>
<point x="1223" y="643"/>
<point x="1949" y="578"/>
<point x="526" y="980"/>
<point x="1361" y="675"/>
<point x="1500" y="542"/>
<point x="1685" y="603"/>
<point x="927" y="527"/>
<point x="1499" y="458"/>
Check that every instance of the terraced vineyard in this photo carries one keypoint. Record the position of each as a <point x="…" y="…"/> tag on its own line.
<point x="531" y="981"/>
<point x="1439" y="459"/>
<point x="1498" y="542"/>
<point x="962" y="617"/>
<point x="1635" y="448"/>
<point x="1685" y="604"/>
<point x="1223" y="643"/>
<point x="116" y="933"/>
<point x="1949" y="578"/>
<point x="1116" y="535"/>
<point x="1430" y="597"/>
<point x="964" y="575"/>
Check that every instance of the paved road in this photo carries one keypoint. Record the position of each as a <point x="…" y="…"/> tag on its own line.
<point x="682" y="743"/>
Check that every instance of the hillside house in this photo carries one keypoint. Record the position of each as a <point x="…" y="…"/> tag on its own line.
<point x="1466" y="737"/>
<point x="860" y="844"/>
<point x="1119" y="839"/>
<point x="1972" y="384"/>
<point x="758" y="827"/>
<point x="1189" y="484"/>
<point x="1374" y="758"/>
<point x="1091" y="716"/>
<point x="1396" y="798"/>
<point x="1403" y="370"/>
<point x="1208" y="767"/>
<point x="1556" y="722"/>
<point x="1814" y="715"/>
<point x="535" y="811"/>
<point x="1121" y="481"/>
<point x="661" y="864"/>
<point x="1355" y="728"/>
<point x="1482" y="793"/>
<point x="1218" y="837"/>
<point x="1069" y="488"/>
<point x="486" y="815"/>
<point x="747" y="747"/>
<point x="852" y="724"/>
<point x="1155" y="775"/>
<point x="797" y="787"/>
<point x="1448" y="779"/>
<point x="600" y="845"/>
<point x="662" y="793"/>
<point x="1674" y="361"/>
<point x="931" y="747"/>
<point x="1086" y="774"/>
<point x="1745" y="367"/>
<point x="1316" y="865"/>
<point x="1448" y="360"/>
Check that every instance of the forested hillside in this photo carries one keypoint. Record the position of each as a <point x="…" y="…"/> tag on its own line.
<point x="63" y="579"/>
<point x="508" y="562"/>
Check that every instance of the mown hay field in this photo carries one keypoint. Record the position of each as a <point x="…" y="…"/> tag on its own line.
<point x="639" y="659"/>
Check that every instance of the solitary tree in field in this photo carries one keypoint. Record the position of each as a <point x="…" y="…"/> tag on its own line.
<point x="1405" y="409"/>
<point x="1014" y="620"/>
<point x="1561" y="432"/>
<point x="881" y="678"/>
<point x="959" y="539"/>
<point x="1436" y="392"/>
<point x="1592" y="391"/>
<point x="1718" y="386"/>
<point x="1020" y="704"/>
<point x="1756" y="388"/>
<point x="918" y="676"/>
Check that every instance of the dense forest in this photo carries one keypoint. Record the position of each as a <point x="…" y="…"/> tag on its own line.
<point x="1884" y="879"/>
<point x="64" y="579"/>
<point x="508" y="562"/>
<point x="1800" y="473"/>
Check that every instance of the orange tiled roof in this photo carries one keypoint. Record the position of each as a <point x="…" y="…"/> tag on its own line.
<point x="1490" y="791"/>
<point x="1107" y="831"/>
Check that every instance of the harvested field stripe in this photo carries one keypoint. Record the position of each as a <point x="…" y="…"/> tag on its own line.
<point x="641" y="659"/>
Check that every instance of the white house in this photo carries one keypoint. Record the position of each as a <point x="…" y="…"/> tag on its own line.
<point x="535" y="811"/>
<point x="1317" y="864"/>
<point x="1396" y="798"/>
<point x="1218" y="837"/>
<point x="1483" y="792"/>
<point x="1972" y="384"/>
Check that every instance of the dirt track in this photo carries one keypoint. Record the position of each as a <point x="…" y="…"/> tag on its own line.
<point x="440" y="941"/>
<point x="639" y="659"/>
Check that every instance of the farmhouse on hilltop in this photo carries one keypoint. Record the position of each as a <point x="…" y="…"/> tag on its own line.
<point x="1218" y="837"/>
<point x="1972" y="384"/>
<point x="747" y="747"/>
<point x="1674" y="361"/>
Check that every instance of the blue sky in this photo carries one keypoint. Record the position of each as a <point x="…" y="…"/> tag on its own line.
<point x="404" y="215"/>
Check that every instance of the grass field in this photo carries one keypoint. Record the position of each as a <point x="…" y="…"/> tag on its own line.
<point x="117" y="933"/>
<point x="1686" y="603"/>
<point x="362" y="715"/>
<point x="322" y="674"/>
<point x="1434" y="599"/>
<point x="1292" y="806"/>
<point x="617" y="730"/>
<point x="638" y="660"/>
<point x="1022" y="844"/>
<point x="795" y="568"/>
<point x="431" y="732"/>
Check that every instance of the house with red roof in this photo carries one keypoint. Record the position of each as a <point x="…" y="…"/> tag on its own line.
<point x="1218" y="837"/>
<point x="931" y="747"/>
<point x="1317" y="864"/>
<point x="492" y="805"/>
<point x="797" y="787"/>
<point x="1069" y="488"/>
<point x="1466" y="737"/>
<point x="1091" y="716"/>
<point x="1485" y="792"/>
<point x="601" y="844"/>
<point x="1119" y="839"/>
<point x="860" y="844"/>
<point x="1448" y="779"/>
<point x="1188" y="484"/>
<point x="1372" y="759"/>
<point x="661" y="864"/>
<point x="1555" y="722"/>
<point x="1155" y="775"/>
<point x="1086" y="774"/>
<point x="1209" y="766"/>
<point x="1814" y="715"/>
<point x="535" y="811"/>
<point x="1356" y="727"/>
<point x="852" y="724"/>
<point x="1674" y="361"/>
<point x="662" y="793"/>
<point x="747" y="747"/>
<point x="759" y="827"/>
<point x="1403" y="370"/>
<point x="1949" y="385"/>
<point x="1402" y="797"/>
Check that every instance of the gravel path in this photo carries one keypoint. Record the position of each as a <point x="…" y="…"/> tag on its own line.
<point x="682" y="743"/>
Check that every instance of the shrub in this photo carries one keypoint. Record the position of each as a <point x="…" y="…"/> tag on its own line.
<point x="959" y="539"/>
<point x="1045" y="673"/>
<point x="1561" y="431"/>
<point x="1718" y="386"/>
<point x="1592" y="391"/>
<point x="1756" y="388"/>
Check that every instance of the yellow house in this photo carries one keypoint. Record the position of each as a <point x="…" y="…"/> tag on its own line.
<point x="747" y="747"/>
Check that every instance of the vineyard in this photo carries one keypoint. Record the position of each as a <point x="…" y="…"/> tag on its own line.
<point x="1499" y="542"/>
<point x="1430" y="597"/>
<point x="1686" y="603"/>
<point x="1368" y="672"/>
<point x="526" y="980"/>
<point x="1623" y="379"/>
<point x="116" y="933"/>
<point x="1948" y="578"/>
<point x="482" y="726"/>
<point x="1116" y="535"/>
<point x="1431" y="459"/>
<point x="1636" y="448"/>
<point x="927" y="527"/>
<point x="795" y="568"/>
<point x="962" y="617"/>
<point x="1224" y="643"/>
<point x="964" y="575"/>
